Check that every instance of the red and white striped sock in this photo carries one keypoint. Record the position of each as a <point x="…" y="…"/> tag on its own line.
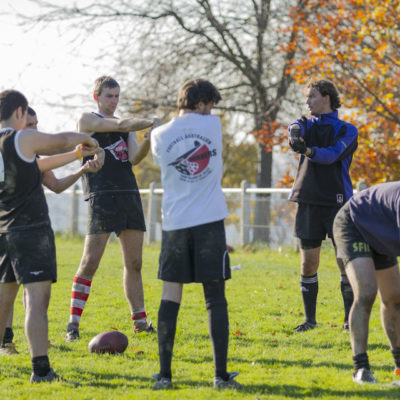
<point x="139" y="317"/>
<point x="79" y="296"/>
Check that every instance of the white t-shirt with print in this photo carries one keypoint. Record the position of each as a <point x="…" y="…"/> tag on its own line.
<point x="188" y="150"/>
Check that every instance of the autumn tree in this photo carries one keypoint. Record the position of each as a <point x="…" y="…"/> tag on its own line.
<point x="357" y="44"/>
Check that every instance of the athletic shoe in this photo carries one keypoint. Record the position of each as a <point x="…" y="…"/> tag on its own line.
<point x="72" y="333"/>
<point x="363" y="375"/>
<point x="161" y="382"/>
<point x="219" y="383"/>
<point x="50" y="377"/>
<point x="8" y="349"/>
<point x="346" y="326"/>
<point x="305" y="326"/>
<point x="144" y="327"/>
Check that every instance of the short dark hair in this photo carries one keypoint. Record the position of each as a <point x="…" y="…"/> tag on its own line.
<point x="195" y="91"/>
<point x="31" y="111"/>
<point x="104" y="81"/>
<point x="10" y="100"/>
<point x="327" y="88"/>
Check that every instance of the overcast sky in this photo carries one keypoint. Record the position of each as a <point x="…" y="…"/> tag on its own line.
<point x="49" y="65"/>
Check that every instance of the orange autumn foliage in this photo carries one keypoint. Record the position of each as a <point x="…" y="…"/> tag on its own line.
<point x="357" y="45"/>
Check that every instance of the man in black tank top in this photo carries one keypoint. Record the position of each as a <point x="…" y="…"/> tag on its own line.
<point x="57" y="185"/>
<point x="27" y="250"/>
<point x="114" y="204"/>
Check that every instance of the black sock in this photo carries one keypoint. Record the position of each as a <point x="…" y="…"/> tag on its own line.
<point x="214" y="293"/>
<point x="41" y="365"/>
<point x="347" y="294"/>
<point x="167" y="316"/>
<point x="361" y="361"/>
<point x="396" y="356"/>
<point x="8" y="336"/>
<point x="309" y="291"/>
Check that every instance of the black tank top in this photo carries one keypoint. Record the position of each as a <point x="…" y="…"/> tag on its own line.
<point x="116" y="176"/>
<point x="22" y="200"/>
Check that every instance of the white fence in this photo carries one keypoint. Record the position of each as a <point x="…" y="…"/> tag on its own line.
<point x="68" y="213"/>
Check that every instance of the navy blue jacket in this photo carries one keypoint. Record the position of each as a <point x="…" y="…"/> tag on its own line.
<point x="323" y="177"/>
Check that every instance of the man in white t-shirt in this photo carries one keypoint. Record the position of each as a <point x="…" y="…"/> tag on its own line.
<point x="189" y="151"/>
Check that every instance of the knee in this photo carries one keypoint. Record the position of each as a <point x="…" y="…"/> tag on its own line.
<point x="309" y="267"/>
<point x="365" y="299"/>
<point x="134" y="265"/>
<point x="214" y="294"/>
<point x="391" y="300"/>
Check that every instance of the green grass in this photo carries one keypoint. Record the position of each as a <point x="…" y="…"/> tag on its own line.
<point x="264" y="304"/>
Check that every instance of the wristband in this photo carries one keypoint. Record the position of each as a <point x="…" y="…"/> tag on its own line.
<point x="79" y="154"/>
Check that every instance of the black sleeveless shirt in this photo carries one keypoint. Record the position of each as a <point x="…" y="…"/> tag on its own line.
<point x="116" y="176"/>
<point x="22" y="200"/>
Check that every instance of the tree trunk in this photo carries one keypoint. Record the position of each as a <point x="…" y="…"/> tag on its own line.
<point x="262" y="217"/>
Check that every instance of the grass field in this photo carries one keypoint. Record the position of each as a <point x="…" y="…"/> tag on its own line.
<point x="264" y="304"/>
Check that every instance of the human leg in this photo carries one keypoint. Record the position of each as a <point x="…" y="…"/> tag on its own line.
<point x="362" y="277"/>
<point x="8" y="346"/>
<point x="309" y="284"/>
<point x="95" y="245"/>
<point x="345" y="289"/>
<point x="8" y="292"/>
<point x="214" y="295"/>
<point x="37" y="297"/>
<point x="389" y="292"/>
<point x="167" y="318"/>
<point x="131" y="242"/>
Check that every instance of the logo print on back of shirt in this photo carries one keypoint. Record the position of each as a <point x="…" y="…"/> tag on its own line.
<point x="119" y="150"/>
<point x="194" y="161"/>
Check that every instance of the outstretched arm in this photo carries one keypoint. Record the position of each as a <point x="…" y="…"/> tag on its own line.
<point x="59" y="185"/>
<point x="90" y="122"/>
<point x="137" y="153"/>
<point x="31" y="142"/>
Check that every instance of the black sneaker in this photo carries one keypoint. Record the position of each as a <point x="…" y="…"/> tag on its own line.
<point x="72" y="333"/>
<point x="363" y="376"/>
<point x="346" y="326"/>
<point x="50" y="377"/>
<point x="219" y="383"/>
<point x="305" y="326"/>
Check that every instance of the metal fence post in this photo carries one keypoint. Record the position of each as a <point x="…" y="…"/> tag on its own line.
<point x="244" y="214"/>
<point x="75" y="211"/>
<point x="152" y="208"/>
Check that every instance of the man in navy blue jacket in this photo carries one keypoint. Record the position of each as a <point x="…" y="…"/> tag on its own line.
<point x="367" y="235"/>
<point x="321" y="187"/>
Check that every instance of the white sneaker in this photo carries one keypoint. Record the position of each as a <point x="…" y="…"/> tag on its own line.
<point x="363" y="376"/>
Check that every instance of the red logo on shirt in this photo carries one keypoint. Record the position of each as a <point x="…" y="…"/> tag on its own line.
<point x="119" y="150"/>
<point x="194" y="161"/>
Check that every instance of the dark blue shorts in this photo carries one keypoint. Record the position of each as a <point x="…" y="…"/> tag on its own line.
<point x="196" y="254"/>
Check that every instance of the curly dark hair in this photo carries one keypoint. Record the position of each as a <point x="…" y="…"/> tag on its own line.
<point x="195" y="91"/>
<point x="327" y="88"/>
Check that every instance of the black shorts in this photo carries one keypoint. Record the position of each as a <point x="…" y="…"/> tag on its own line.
<point x="314" y="222"/>
<point x="115" y="213"/>
<point x="350" y="244"/>
<point x="196" y="254"/>
<point x="28" y="256"/>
